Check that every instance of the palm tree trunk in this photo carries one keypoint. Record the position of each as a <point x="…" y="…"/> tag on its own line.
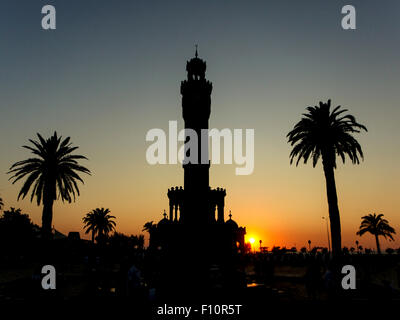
<point x="378" y="247"/>
<point x="100" y="238"/>
<point x="333" y="209"/>
<point x="48" y="200"/>
<point x="92" y="236"/>
<point x="47" y="218"/>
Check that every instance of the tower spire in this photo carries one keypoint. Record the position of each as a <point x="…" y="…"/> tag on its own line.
<point x="196" y="54"/>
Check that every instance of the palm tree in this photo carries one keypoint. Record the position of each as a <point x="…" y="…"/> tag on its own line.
<point x="149" y="227"/>
<point x="99" y="222"/>
<point x="322" y="133"/>
<point x="377" y="226"/>
<point x="52" y="174"/>
<point x="90" y="224"/>
<point x="1" y="203"/>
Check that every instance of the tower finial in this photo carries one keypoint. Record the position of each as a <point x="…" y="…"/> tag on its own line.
<point x="230" y="215"/>
<point x="196" y="54"/>
<point x="165" y="214"/>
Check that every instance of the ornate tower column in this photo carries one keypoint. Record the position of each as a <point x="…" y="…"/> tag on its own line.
<point x="171" y="203"/>
<point x="221" y="204"/>
<point x="196" y="108"/>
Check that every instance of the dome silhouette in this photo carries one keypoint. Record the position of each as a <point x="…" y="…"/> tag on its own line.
<point x="164" y="221"/>
<point x="231" y="223"/>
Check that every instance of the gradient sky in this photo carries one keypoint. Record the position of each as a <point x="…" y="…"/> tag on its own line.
<point x="112" y="70"/>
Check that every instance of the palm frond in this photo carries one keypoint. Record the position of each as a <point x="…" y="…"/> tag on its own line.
<point x="376" y="225"/>
<point x="52" y="173"/>
<point x="322" y="133"/>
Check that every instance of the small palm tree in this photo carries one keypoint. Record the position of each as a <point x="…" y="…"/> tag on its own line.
<point x="52" y="174"/>
<point x="377" y="226"/>
<point x="100" y="222"/>
<point x="149" y="227"/>
<point x="323" y="133"/>
<point x="90" y="224"/>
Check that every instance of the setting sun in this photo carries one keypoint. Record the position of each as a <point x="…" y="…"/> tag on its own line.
<point x="252" y="240"/>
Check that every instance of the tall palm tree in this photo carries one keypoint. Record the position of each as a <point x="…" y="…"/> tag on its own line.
<point x="377" y="226"/>
<point x="100" y="222"/>
<point x="322" y="133"/>
<point x="52" y="174"/>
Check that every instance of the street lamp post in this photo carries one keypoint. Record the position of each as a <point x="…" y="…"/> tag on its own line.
<point x="327" y="232"/>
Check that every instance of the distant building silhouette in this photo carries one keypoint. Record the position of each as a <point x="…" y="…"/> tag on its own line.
<point x="195" y="220"/>
<point x="74" y="235"/>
